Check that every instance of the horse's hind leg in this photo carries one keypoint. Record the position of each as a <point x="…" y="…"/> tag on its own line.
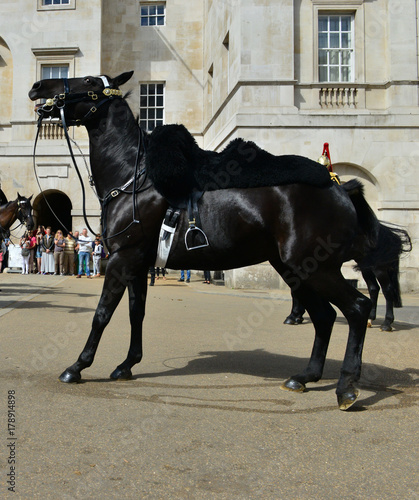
<point x="386" y="287"/>
<point x="137" y="289"/>
<point x="323" y="317"/>
<point x="112" y="292"/>
<point x="296" y="315"/>
<point x="356" y="308"/>
<point x="373" y="290"/>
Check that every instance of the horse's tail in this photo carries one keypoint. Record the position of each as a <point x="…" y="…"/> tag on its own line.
<point x="385" y="257"/>
<point x="367" y="221"/>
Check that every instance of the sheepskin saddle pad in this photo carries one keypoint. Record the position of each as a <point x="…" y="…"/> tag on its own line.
<point x="177" y="165"/>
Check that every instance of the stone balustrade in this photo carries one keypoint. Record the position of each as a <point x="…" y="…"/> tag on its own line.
<point x="338" y="97"/>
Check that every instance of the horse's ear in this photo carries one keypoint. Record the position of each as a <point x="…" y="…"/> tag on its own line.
<point x="18" y="195"/>
<point x="30" y="197"/>
<point x="122" y="78"/>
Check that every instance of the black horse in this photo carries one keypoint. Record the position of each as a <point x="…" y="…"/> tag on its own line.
<point x="306" y="232"/>
<point x="19" y="209"/>
<point x="380" y="267"/>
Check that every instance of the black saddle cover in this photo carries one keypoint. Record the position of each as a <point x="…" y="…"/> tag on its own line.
<point x="177" y="166"/>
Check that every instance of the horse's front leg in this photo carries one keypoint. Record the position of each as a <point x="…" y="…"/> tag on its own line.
<point x="112" y="292"/>
<point x="137" y="289"/>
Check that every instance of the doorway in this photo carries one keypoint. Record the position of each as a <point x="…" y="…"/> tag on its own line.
<point x="59" y="204"/>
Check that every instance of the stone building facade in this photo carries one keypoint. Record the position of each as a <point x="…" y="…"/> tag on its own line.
<point x="287" y="75"/>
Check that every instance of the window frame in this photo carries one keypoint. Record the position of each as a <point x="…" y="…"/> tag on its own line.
<point x="71" y="5"/>
<point x="328" y="50"/>
<point x="341" y="7"/>
<point x="155" y="16"/>
<point x="59" y="56"/>
<point x="157" y="120"/>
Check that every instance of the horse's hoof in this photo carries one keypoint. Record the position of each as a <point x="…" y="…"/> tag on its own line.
<point x="386" y="328"/>
<point x="291" y="321"/>
<point x="119" y="374"/>
<point x="369" y="324"/>
<point x="347" y="399"/>
<point x="293" y="385"/>
<point x="69" y="377"/>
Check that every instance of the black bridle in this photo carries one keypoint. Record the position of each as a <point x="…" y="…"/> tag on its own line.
<point x="59" y="101"/>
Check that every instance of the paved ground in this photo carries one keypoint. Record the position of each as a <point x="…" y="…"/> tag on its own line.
<point x="203" y="417"/>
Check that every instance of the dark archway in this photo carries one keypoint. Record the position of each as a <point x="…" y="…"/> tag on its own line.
<point x="60" y="204"/>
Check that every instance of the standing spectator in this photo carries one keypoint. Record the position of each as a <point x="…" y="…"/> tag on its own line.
<point x="47" y="261"/>
<point x="182" y="275"/>
<point x="69" y="254"/>
<point x="2" y="253"/>
<point x="38" y="253"/>
<point x="59" y="245"/>
<point x="32" y="248"/>
<point x="97" y="256"/>
<point x="76" y="252"/>
<point x="85" y="248"/>
<point x="25" y="246"/>
<point x="5" y="253"/>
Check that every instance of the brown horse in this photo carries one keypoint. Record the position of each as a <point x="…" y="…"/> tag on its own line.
<point x="19" y="209"/>
<point x="306" y="232"/>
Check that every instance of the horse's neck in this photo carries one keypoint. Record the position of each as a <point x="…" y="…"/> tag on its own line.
<point x="114" y="141"/>
<point x="8" y="215"/>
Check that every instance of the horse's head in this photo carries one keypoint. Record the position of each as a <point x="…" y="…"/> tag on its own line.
<point x="24" y="213"/>
<point x="79" y="97"/>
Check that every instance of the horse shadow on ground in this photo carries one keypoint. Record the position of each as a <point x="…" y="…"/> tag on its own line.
<point x="17" y="289"/>
<point x="382" y="381"/>
<point x="19" y="296"/>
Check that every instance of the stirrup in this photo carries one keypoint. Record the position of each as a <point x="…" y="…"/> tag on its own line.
<point x="191" y="229"/>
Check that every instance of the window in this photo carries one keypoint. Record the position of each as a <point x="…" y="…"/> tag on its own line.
<point x="48" y="72"/>
<point x="336" y="52"/>
<point x="55" y="2"/>
<point x="151" y="105"/>
<point x="153" y="14"/>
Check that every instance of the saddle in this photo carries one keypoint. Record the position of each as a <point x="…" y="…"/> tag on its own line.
<point x="177" y="165"/>
<point x="181" y="171"/>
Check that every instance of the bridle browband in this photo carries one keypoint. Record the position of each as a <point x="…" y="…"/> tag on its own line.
<point x="59" y="101"/>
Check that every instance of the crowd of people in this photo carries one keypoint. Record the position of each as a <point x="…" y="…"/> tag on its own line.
<point x="45" y="252"/>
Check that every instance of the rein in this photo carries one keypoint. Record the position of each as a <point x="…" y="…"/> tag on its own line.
<point x="59" y="101"/>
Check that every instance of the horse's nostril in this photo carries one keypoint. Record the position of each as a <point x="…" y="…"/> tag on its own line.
<point x="32" y="93"/>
